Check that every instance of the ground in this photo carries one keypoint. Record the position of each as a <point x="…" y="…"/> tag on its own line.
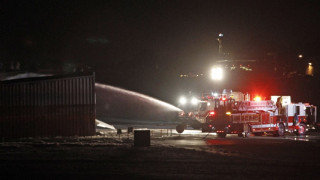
<point x="192" y="155"/>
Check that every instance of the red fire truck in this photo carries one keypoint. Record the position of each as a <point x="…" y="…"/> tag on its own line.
<point x="236" y="113"/>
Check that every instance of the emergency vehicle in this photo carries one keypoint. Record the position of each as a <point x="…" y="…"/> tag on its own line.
<point x="236" y="113"/>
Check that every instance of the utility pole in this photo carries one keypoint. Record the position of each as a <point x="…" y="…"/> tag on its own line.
<point x="219" y="39"/>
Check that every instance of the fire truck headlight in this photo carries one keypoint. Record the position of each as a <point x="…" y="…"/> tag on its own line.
<point x="182" y="100"/>
<point x="194" y="101"/>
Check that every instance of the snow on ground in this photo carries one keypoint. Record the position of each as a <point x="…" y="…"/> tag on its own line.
<point x="192" y="155"/>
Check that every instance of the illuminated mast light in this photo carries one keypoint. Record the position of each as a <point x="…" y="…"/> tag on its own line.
<point x="216" y="73"/>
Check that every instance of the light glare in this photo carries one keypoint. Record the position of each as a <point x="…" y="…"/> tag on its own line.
<point x="194" y="101"/>
<point x="182" y="100"/>
<point x="257" y="98"/>
<point x="216" y="73"/>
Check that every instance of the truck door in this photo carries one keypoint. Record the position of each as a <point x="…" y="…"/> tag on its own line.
<point x="309" y="115"/>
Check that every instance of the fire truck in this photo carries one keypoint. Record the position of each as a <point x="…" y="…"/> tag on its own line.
<point x="237" y="113"/>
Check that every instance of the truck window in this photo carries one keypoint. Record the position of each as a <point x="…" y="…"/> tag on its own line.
<point x="298" y="110"/>
<point x="308" y="111"/>
<point x="203" y="106"/>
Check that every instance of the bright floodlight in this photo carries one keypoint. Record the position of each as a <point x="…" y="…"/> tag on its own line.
<point x="220" y="35"/>
<point x="194" y="101"/>
<point x="182" y="100"/>
<point x="216" y="73"/>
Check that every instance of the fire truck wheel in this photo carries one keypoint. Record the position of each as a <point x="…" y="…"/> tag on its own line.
<point x="205" y="128"/>
<point x="180" y="128"/>
<point x="302" y="129"/>
<point x="222" y="135"/>
<point x="258" y="133"/>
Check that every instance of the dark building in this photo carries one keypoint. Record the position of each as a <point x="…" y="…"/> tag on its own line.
<point x="48" y="106"/>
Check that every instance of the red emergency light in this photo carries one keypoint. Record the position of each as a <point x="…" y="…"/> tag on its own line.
<point x="257" y="98"/>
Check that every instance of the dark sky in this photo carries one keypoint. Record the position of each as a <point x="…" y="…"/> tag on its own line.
<point x="154" y="37"/>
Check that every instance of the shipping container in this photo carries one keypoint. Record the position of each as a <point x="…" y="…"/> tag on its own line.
<point x="48" y="106"/>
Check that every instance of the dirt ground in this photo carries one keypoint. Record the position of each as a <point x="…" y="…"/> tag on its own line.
<point x="111" y="157"/>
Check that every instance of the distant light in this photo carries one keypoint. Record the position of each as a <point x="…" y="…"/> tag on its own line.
<point x="309" y="70"/>
<point x="228" y="113"/>
<point x="220" y="35"/>
<point x="208" y="104"/>
<point x="300" y="56"/>
<point x="216" y="73"/>
<point x="215" y="94"/>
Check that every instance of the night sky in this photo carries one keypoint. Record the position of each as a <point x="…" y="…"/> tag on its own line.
<point x="140" y="45"/>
